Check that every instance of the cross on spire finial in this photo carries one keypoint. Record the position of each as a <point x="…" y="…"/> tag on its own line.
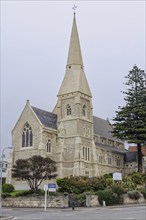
<point x="74" y="8"/>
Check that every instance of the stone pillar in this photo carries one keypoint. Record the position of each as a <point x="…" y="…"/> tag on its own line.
<point x="92" y="201"/>
<point x="65" y="200"/>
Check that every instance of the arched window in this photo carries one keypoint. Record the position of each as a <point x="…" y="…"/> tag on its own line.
<point x="84" y="110"/>
<point x="49" y="146"/>
<point x="27" y="136"/>
<point x="88" y="154"/>
<point x="68" y="108"/>
<point x="83" y="151"/>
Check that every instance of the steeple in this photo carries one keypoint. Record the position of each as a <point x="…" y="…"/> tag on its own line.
<point x="74" y="79"/>
<point x="74" y="54"/>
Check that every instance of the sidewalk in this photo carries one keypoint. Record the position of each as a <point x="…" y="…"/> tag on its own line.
<point x="101" y="207"/>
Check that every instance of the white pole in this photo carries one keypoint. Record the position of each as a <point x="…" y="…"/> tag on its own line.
<point x="45" y="207"/>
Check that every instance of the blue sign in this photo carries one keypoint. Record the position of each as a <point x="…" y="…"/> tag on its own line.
<point x="52" y="187"/>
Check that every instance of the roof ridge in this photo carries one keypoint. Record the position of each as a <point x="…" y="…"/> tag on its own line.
<point x="43" y="110"/>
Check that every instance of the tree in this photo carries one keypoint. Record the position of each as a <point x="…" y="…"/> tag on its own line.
<point x="34" y="170"/>
<point x="130" y="120"/>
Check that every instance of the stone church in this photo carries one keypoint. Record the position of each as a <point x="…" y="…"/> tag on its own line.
<point x="80" y="143"/>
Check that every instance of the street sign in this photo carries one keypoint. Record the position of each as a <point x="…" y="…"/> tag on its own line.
<point x="117" y="176"/>
<point x="52" y="187"/>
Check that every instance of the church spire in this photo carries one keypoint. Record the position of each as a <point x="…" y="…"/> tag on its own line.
<point x="74" y="53"/>
<point x="74" y="79"/>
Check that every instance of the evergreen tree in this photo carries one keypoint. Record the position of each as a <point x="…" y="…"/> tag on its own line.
<point x="130" y="120"/>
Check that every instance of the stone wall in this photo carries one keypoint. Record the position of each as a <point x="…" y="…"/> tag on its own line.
<point x="52" y="201"/>
<point x="127" y="200"/>
<point x="92" y="201"/>
<point x="59" y="201"/>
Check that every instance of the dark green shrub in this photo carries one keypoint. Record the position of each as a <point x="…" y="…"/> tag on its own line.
<point x="81" y="198"/>
<point x="5" y="195"/>
<point x="143" y="191"/>
<point x="128" y="184"/>
<point x="134" y="194"/>
<point x="108" y="196"/>
<point x="21" y="193"/>
<point x="76" y="185"/>
<point x="119" y="190"/>
<point x="108" y="175"/>
<point x="137" y="178"/>
<point x="97" y="183"/>
<point x="8" y="188"/>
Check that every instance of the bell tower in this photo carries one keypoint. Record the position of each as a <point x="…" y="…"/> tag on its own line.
<point x="75" y="117"/>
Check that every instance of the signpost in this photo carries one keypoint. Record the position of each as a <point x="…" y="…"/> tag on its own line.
<point x="45" y="188"/>
<point x="117" y="176"/>
<point x="51" y="187"/>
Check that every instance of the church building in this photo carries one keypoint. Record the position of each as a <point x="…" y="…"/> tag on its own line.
<point x="81" y="143"/>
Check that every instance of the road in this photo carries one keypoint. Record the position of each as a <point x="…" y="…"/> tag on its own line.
<point x="102" y="213"/>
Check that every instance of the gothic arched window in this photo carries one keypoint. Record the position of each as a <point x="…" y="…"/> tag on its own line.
<point x="49" y="146"/>
<point x="84" y="110"/>
<point x="27" y="136"/>
<point x="68" y="108"/>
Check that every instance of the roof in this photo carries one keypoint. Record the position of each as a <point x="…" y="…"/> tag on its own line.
<point x="103" y="128"/>
<point x="134" y="149"/>
<point x="130" y="156"/>
<point x="48" y="119"/>
<point x="110" y="148"/>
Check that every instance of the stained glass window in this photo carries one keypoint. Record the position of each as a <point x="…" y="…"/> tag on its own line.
<point x="27" y="136"/>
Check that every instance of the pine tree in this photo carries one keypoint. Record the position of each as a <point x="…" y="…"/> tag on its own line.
<point x="130" y="120"/>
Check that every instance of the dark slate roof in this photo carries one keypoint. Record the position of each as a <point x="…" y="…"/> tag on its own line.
<point x="110" y="148"/>
<point x="130" y="156"/>
<point x="103" y="128"/>
<point x="48" y="119"/>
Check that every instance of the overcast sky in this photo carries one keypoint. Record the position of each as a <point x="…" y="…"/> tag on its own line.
<point x="34" y="46"/>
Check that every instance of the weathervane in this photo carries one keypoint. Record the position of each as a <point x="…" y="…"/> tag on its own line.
<point x="74" y="8"/>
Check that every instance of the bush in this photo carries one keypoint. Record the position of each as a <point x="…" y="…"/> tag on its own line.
<point x="143" y="191"/>
<point x="128" y="184"/>
<point x="137" y="178"/>
<point x="97" y="183"/>
<point x="76" y="185"/>
<point x="108" y="196"/>
<point x="19" y="193"/>
<point x="5" y="195"/>
<point x="81" y="199"/>
<point x="119" y="190"/>
<point x="8" y="188"/>
<point x="134" y="194"/>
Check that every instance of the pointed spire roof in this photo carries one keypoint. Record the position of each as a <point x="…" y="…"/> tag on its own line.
<point x="74" y="54"/>
<point x="74" y="79"/>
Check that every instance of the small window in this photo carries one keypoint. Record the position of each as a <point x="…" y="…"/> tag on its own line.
<point x="68" y="108"/>
<point x="118" y="162"/>
<point x="83" y="151"/>
<point x="109" y="160"/>
<point x="100" y="159"/>
<point x="49" y="146"/>
<point x="88" y="154"/>
<point x="84" y="110"/>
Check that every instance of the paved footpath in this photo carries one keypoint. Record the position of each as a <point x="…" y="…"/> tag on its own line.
<point x="129" y="212"/>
